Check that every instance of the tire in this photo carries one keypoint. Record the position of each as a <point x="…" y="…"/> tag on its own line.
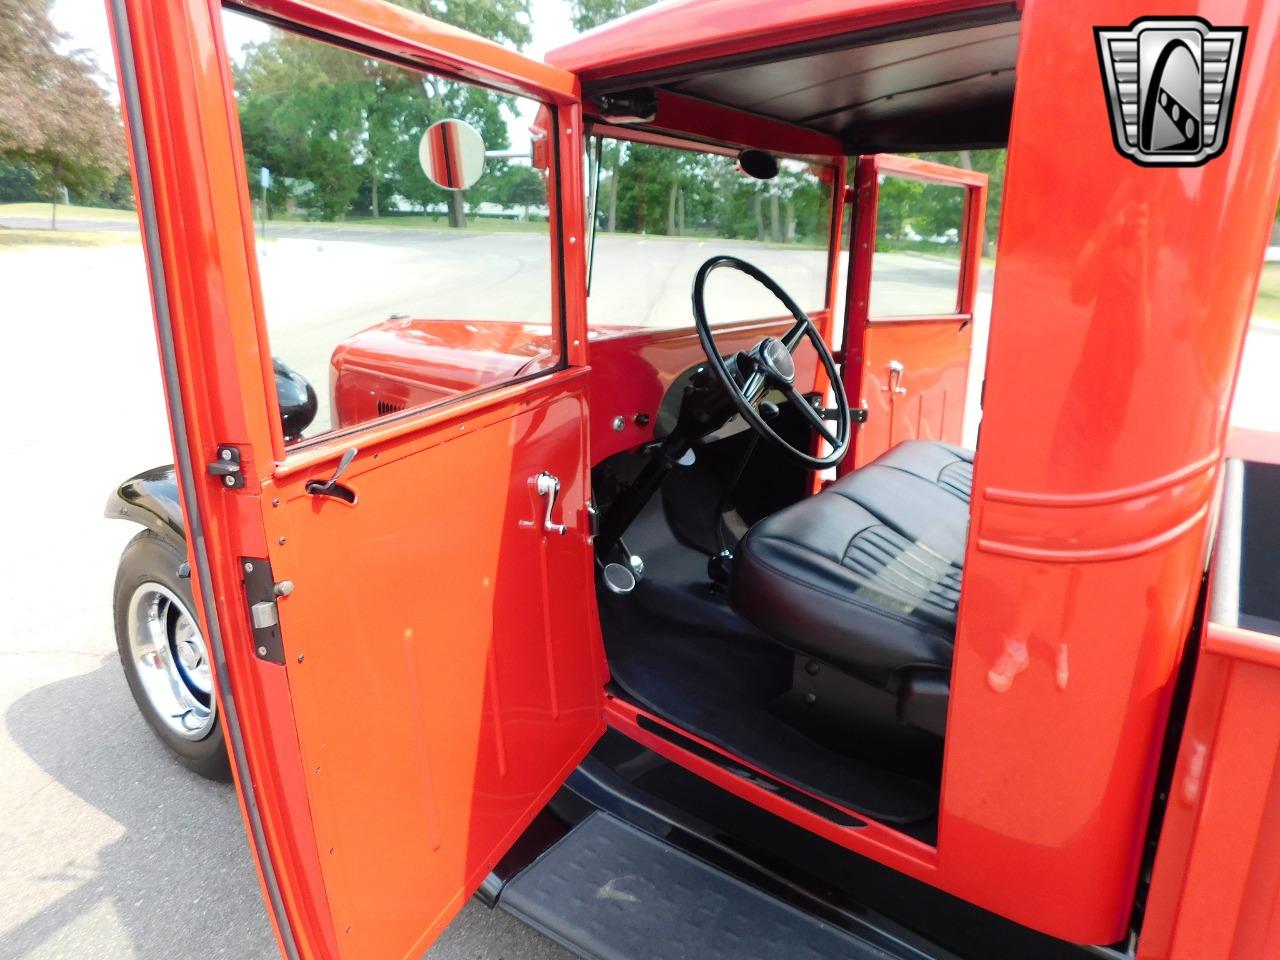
<point x="164" y="656"/>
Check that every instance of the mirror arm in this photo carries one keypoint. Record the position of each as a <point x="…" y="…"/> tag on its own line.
<point x="598" y="144"/>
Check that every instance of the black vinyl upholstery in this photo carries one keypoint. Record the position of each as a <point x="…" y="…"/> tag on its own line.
<point x="949" y="467"/>
<point x="866" y="574"/>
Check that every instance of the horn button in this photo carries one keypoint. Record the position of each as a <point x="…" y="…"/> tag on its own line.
<point x="776" y="360"/>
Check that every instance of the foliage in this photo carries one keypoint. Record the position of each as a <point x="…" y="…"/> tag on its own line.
<point x="586" y="14"/>
<point x="904" y="201"/>
<point x="340" y="132"/>
<point x="17" y="183"/>
<point x="55" y="117"/>
<point x="661" y="190"/>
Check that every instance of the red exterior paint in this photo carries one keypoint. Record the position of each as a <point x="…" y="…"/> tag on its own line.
<point x="1215" y="894"/>
<point x="1120" y="308"/>
<point x="927" y="399"/>
<point x="1122" y="297"/>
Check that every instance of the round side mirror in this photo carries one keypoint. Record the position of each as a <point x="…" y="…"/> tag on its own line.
<point x="758" y="164"/>
<point x="452" y="154"/>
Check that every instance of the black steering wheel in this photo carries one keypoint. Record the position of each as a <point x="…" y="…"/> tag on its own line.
<point x="770" y="364"/>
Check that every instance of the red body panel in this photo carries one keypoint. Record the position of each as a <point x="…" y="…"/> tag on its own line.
<point x="1215" y="893"/>
<point x="456" y="605"/>
<point x="1122" y="297"/>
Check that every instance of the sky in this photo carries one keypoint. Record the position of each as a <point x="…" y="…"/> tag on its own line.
<point x="85" y="24"/>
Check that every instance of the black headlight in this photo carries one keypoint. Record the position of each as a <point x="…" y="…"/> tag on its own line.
<point x="298" y="403"/>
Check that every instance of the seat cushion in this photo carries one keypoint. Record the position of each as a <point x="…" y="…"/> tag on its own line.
<point x="864" y="575"/>
<point x="950" y="467"/>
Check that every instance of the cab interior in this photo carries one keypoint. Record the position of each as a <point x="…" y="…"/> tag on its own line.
<point x="797" y="618"/>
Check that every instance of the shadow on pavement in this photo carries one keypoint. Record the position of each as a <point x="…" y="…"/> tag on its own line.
<point x="180" y="880"/>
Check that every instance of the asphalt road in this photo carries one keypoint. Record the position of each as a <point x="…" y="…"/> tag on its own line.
<point x="109" y="849"/>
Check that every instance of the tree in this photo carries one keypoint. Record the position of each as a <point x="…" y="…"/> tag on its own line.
<point x="55" y="117"/>
<point x="586" y="14"/>
<point x="340" y="131"/>
<point x="520" y="187"/>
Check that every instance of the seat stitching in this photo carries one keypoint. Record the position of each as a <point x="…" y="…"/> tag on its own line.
<point x="851" y="601"/>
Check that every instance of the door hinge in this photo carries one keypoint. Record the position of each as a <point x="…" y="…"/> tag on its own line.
<point x="227" y="466"/>
<point x="260" y="592"/>
<point x="858" y="414"/>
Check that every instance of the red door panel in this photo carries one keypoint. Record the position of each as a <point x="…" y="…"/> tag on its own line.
<point x="913" y="384"/>
<point x="441" y="663"/>
<point x="908" y="369"/>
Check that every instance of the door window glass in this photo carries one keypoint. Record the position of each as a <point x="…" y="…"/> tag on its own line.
<point x="403" y="236"/>
<point x="662" y="212"/>
<point x="915" y="269"/>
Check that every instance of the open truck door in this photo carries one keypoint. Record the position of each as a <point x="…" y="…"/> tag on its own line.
<point x="913" y="283"/>
<point x="406" y="667"/>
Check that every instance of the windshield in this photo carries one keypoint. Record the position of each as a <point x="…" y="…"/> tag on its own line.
<point x="660" y="212"/>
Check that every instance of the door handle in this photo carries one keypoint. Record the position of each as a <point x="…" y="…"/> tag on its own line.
<point x="896" y="370"/>
<point x="548" y="487"/>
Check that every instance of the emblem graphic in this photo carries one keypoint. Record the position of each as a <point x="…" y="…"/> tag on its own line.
<point x="1171" y="85"/>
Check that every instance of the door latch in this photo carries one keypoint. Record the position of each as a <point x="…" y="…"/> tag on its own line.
<point x="227" y="467"/>
<point x="896" y="370"/>
<point x="548" y="487"/>
<point x="260" y="591"/>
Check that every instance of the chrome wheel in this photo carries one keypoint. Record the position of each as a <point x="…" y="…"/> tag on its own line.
<point x="172" y="661"/>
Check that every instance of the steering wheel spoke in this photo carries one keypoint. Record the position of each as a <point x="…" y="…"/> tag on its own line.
<point x="817" y="418"/>
<point x="796" y="335"/>
<point x="754" y="386"/>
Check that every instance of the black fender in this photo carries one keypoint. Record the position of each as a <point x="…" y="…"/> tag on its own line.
<point x="151" y="499"/>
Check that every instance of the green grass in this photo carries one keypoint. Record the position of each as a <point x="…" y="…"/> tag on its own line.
<point x="12" y="238"/>
<point x="1268" y="304"/>
<point x="69" y="211"/>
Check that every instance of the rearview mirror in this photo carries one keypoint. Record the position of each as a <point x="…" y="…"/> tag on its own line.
<point x="758" y="164"/>
<point x="452" y="154"/>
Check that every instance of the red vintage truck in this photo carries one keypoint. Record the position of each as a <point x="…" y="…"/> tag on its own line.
<point x="690" y="629"/>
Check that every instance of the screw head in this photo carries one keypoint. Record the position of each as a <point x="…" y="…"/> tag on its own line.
<point x="300" y="658"/>
<point x="226" y="454"/>
<point x="275" y="502"/>
<point x="248" y="568"/>
<point x="262" y="651"/>
<point x="619" y="423"/>
<point x="229" y="481"/>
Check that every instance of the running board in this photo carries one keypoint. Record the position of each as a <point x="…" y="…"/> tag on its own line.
<point x="609" y="891"/>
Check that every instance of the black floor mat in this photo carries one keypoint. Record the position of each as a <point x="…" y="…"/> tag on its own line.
<point x="608" y="891"/>
<point x="684" y="654"/>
